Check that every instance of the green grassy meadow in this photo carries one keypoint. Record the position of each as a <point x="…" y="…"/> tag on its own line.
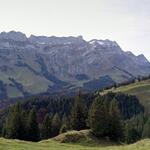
<point x="72" y="140"/>
<point x="140" y="89"/>
<point x="53" y="145"/>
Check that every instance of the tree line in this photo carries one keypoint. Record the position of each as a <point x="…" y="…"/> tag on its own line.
<point x="130" y="81"/>
<point x="106" y="117"/>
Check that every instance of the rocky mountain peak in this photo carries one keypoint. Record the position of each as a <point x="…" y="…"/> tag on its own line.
<point x="56" y="40"/>
<point x="142" y="58"/>
<point x="63" y="64"/>
<point x="104" y="43"/>
<point x="129" y="53"/>
<point x="13" y="35"/>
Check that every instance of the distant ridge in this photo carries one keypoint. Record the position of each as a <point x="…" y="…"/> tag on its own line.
<point x="41" y="64"/>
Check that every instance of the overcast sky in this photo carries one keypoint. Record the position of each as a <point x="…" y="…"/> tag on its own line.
<point x="125" y="21"/>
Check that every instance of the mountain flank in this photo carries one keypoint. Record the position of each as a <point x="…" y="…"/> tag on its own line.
<point x="41" y="64"/>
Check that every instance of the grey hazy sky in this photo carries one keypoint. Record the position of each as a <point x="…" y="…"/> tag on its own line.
<point x="125" y="21"/>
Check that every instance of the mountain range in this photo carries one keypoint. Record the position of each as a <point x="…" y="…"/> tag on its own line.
<point x="40" y="64"/>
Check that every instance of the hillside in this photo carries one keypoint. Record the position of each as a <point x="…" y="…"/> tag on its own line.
<point x="140" y="89"/>
<point x="86" y="143"/>
<point x="60" y="64"/>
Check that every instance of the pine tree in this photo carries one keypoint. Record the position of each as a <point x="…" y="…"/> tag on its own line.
<point x="115" y="125"/>
<point x="23" y="131"/>
<point x="131" y="134"/>
<point x="65" y="122"/>
<point x="56" y="125"/>
<point x="140" y="124"/>
<point x="99" y="118"/>
<point x="146" y="130"/>
<point x="14" y="127"/>
<point x="134" y="128"/>
<point x="32" y="126"/>
<point x="46" y="127"/>
<point x="78" y="114"/>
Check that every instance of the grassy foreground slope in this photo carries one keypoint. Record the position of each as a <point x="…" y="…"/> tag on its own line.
<point x="53" y="145"/>
<point x="83" y="142"/>
<point x="140" y="89"/>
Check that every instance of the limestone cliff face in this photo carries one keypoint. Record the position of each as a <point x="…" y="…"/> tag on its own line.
<point x="52" y="64"/>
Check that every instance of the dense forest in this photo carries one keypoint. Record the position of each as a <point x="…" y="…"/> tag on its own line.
<point x="115" y="116"/>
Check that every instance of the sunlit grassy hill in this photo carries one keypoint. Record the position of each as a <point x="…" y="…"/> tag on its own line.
<point x="140" y="89"/>
<point x="72" y="140"/>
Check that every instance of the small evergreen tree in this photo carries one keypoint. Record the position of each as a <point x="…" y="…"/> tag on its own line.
<point x="32" y="126"/>
<point x="115" y="125"/>
<point x="146" y="130"/>
<point x="46" y="127"/>
<point x="140" y="123"/>
<point x="131" y="134"/>
<point x="66" y="122"/>
<point x="56" y="125"/>
<point x="14" y="127"/>
<point x="78" y="114"/>
<point x="99" y="118"/>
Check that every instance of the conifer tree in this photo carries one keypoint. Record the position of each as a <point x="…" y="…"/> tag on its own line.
<point x="23" y="123"/>
<point x="32" y="126"/>
<point x="66" y="122"/>
<point x="13" y="126"/>
<point x="99" y="118"/>
<point x="46" y="127"/>
<point x="146" y="130"/>
<point x="131" y="132"/>
<point x="140" y="123"/>
<point x="78" y="114"/>
<point x="56" y="125"/>
<point x="115" y="125"/>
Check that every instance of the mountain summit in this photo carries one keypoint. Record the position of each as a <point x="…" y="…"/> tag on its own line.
<point x="12" y="35"/>
<point x="40" y="64"/>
